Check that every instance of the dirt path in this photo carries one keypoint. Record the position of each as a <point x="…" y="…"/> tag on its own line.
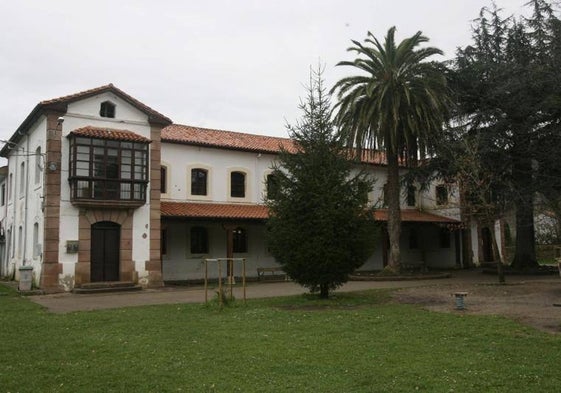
<point x="529" y="300"/>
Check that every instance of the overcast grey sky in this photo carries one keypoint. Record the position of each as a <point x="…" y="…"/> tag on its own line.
<point x="235" y="65"/>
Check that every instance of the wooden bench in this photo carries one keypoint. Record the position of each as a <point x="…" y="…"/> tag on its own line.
<point x="275" y="273"/>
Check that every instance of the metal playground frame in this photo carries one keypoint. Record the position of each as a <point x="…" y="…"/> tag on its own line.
<point x="229" y="276"/>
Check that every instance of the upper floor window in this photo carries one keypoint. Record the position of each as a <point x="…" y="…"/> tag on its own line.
<point x="163" y="179"/>
<point x="441" y="195"/>
<point x="237" y="184"/>
<point x="199" y="240"/>
<point x="240" y="240"/>
<point x="20" y="240"/>
<point x="3" y="195"/>
<point x="22" y="179"/>
<point x="107" y="109"/>
<point x="199" y="181"/>
<point x="38" y="165"/>
<point x="272" y="186"/>
<point x="105" y="169"/>
<point x="10" y="186"/>
<point x="411" y="196"/>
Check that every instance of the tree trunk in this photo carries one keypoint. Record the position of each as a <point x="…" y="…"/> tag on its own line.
<point x="497" y="254"/>
<point x="323" y="291"/>
<point x="525" y="248"/>
<point x="394" y="212"/>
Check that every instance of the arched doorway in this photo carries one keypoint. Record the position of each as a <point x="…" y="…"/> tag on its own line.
<point x="105" y="250"/>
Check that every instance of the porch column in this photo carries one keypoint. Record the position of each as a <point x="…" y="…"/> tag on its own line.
<point x="229" y="228"/>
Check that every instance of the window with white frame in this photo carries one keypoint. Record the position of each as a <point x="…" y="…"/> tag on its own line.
<point x="237" y="184"/>
<point x="107" y="109"/>
<point x="199" y="181"/>
<point x="22" y="179"/>
<point x="199" y="240"/>
<point x="20" y="240"/>
<point x="38" y="165"/>
<point x="36" y="250"/>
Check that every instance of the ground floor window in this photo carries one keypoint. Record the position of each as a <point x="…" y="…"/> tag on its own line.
<point x="199" y="240"/>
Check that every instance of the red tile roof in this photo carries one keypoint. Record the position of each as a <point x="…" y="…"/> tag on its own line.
<point x="102" y="89"/>
<point x="198" y="136"/>
<point x="60" y="105"/>
<point x="225" y="139"/>
<point x="261" y="212"/>
<point x="214" y="210"/>
<point x="414" y="215"/>
<point x="109" y="133"/>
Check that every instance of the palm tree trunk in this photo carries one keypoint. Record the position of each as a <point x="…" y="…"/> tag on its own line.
<point x="394" y="212"/>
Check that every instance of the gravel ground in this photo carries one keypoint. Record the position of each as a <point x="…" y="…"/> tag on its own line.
<point x="534" y="301"/>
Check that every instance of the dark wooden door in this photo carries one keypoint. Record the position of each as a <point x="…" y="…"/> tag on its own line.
<point x="105" y="251"/>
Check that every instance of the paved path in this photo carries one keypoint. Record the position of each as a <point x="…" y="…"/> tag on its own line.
<point x="68" y="302"/>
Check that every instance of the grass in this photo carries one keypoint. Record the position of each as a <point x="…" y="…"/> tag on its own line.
<point x="355" y="342"/>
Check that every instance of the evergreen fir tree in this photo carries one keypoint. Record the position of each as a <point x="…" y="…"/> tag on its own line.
<point x="320" y="228"/>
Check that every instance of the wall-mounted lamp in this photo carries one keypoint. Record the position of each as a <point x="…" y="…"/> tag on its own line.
<point x="52" y="166"/>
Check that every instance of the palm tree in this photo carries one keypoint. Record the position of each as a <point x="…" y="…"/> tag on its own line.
<point x="399" y="105"/>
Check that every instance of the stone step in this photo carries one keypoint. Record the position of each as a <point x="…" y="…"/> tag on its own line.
<point x="106" y="286"/>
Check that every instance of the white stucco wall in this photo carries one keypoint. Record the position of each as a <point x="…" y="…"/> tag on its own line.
<point x="179" y="264"/>
<point x="24" y="209"/>
<point x="179" y="159"/>
<point x="86" y="113"/>
<point x="24" y="205"/>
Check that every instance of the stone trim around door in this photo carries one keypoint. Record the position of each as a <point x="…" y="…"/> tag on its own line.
<point x="89" y="217"/>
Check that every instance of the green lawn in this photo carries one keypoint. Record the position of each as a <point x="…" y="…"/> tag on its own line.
<point x="354" y="343"/>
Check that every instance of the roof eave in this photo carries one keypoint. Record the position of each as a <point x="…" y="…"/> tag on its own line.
<point x="39" y="110"/>
<point x="222" y="147"/>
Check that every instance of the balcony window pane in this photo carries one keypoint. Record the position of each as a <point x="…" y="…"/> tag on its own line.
<point x="125" y="191"/>
<point x="120" y="174"/>
<point x="125" y="171"/>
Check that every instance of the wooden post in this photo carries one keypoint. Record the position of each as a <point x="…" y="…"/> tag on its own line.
<point x="231" y="277"/>
<point x="243" y="278"/>
<point x="206" y="281"/>
<point x="220" y="282"/>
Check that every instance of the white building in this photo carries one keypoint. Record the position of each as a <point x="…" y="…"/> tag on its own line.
<point x="100" y="188"/>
